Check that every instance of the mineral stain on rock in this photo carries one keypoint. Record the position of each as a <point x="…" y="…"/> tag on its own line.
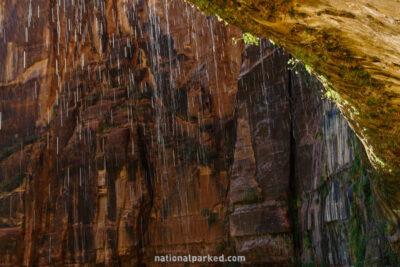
<point x="133" y="128"/>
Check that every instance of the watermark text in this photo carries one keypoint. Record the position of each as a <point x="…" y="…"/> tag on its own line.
<point x="197" y="258"/>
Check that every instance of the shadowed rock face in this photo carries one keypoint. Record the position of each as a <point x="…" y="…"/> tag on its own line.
<point x="353" y="47"/>
<point x="138" y="128"/>
<point x="296" y="175"/>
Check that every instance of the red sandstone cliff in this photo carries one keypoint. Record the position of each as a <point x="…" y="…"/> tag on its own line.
<point x="137" y="128"/>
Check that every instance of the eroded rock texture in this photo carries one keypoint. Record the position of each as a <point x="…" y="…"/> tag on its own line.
<point x="138" y="128"/>
<point x="310" y="187"/>
<point x="353" y="46"/>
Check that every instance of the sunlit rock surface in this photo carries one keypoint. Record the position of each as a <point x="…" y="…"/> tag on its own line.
<point x="138" y="128"/>
<point x="353" y="47"/>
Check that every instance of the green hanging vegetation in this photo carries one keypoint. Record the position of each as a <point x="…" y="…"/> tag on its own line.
<point x="247" y="39"/>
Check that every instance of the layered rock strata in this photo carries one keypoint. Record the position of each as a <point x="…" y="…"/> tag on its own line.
<point x="137" y="128"/>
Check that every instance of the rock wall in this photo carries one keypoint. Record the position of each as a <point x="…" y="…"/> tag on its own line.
<point x="138" y="128"/>
<point x="124" y="109"/>
<point x="352" y="47"/>
<point x="332" y="38"/>
<point x="309" y="198"/>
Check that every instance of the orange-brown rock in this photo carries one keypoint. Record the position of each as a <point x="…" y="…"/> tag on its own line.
<point x="353" y="47"/>
<point x="138" y="128"/>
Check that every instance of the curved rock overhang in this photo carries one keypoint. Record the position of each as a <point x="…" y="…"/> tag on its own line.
<point x="353" y="47"/>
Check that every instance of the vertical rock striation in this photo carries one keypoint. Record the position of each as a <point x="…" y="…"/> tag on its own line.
<point x="138" y="128"/>
<point x="299" y="188"/>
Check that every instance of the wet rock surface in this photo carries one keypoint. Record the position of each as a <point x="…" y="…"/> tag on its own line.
<point x="138" y="128"/>
<point x="331" y="37"/>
